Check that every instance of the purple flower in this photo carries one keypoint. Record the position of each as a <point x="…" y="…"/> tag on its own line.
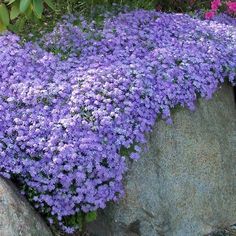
<point x="134" y="156"/>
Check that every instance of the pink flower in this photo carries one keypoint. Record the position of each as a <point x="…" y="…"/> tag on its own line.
<point x="209" y="15"/>
<point x="215" y="5"/>
<point x="231" y="7"/>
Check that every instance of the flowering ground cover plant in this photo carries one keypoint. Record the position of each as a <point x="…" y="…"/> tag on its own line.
<point x="67" y="123"/>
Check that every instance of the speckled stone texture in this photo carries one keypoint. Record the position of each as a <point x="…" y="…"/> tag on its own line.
<point x="185" y="182"/>
<point x="17" y="217"/>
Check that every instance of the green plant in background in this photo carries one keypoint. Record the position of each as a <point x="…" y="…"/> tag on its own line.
<point x="14" y="13"/>
<point x="89" y="6"/>
<point x="182" y="5"/>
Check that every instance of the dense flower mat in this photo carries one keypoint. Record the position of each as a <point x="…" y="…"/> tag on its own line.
<point x="64" y="124"/>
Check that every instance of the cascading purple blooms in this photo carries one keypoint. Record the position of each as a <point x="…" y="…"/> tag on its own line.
<point x="65" y="123"/>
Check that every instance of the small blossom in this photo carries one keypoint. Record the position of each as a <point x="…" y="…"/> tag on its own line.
<point x="134" y="156"/>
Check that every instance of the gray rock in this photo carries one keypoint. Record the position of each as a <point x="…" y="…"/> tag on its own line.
<point x="185" y="182"/>
<point x="17" y="217"/>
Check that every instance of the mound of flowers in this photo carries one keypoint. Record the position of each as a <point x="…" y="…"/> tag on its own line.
<point x="66" y="125"/>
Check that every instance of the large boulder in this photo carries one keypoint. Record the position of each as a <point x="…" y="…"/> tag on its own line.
<point x="185" y="182"/>
<point x="17" y="217"/>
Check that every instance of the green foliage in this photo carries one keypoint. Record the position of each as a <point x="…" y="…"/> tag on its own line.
<point x="24" y="5"/>
<point x="90" y="216"/>
<point x="4" y="15"/>
<point x="79" y="220"/>
<point x="90" y="7"/>
<point x="14" y="13"/>
<point x="38" y="8"/>
<point x="182" y="5"/>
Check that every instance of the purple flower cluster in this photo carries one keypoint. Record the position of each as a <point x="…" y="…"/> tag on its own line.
<point x="65" y="123"/>
<point x="66" y="36"/>
<point x="225" y="19"/>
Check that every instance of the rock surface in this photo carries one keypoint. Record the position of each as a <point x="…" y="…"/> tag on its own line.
<point x="185" y="182"/>
<point x="17" y="217"/>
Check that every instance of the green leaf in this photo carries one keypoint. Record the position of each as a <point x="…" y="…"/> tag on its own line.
<point x="12" y="28"/>
<point x="15" y="11"/>
<point x="38" y="8"/>
<point x="91" y="216"/>
<point x="4" y="15"/>
<point x="24" y="4"/>
<point x="20" y="24"/>
<point x="2" y="27"/>
<point x="50" y="4"/>
<point x="10" y="2"/>
<point x="28" y="13"/>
